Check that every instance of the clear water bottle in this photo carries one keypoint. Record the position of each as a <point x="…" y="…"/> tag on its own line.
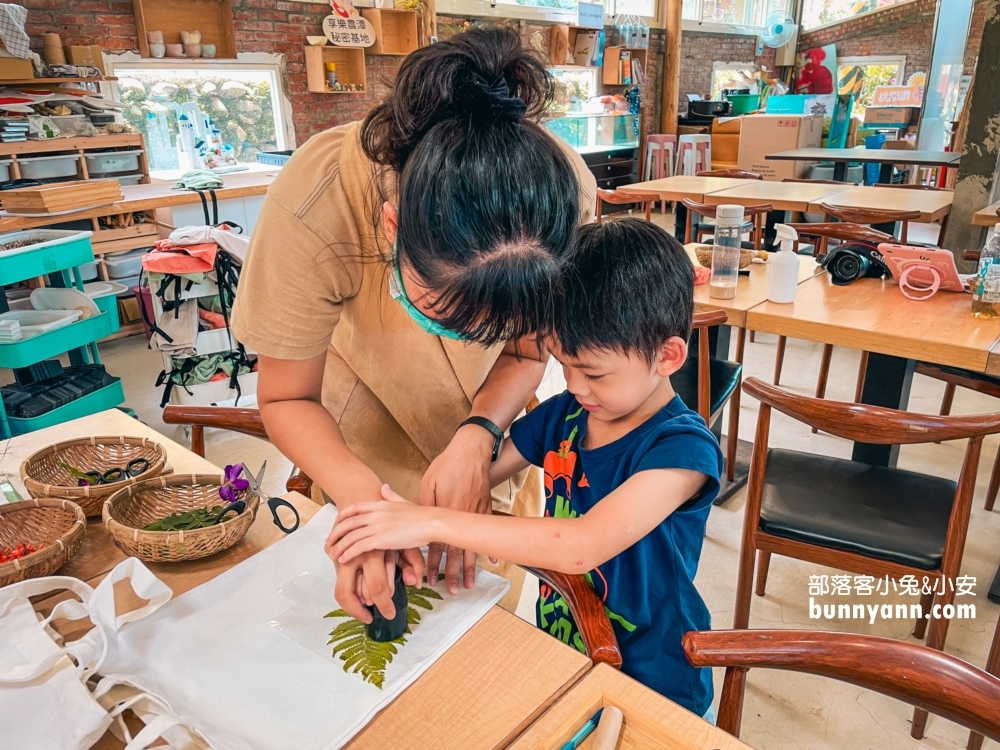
<point x="726" y="252"/>
<point x="985" y="284"/>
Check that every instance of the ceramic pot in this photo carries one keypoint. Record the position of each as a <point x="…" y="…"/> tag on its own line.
<point x="175" y="50"/>
<point x="157" y="49"/>
<point x="191" y="37"/>
<point x="154" y="37"/>
<point x="192" y="50"/>
<point x="208" y="50"/>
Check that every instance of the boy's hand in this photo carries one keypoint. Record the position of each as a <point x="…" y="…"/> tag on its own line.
<point x="363" y="527"/>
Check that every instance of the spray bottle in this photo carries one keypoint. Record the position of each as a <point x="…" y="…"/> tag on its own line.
<point x="783" y="272"/>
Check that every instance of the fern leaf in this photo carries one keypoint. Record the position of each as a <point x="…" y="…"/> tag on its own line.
<point x="337" y="613"/>
<point x="426" y="592"/>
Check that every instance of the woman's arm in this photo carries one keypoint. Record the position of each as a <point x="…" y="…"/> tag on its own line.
<point x="288" y="395"/>
<point x="459" y="477"/>
<point x="566" y="545"/>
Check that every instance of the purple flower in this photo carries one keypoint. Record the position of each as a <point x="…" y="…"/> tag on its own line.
<point x="234" y="484"/>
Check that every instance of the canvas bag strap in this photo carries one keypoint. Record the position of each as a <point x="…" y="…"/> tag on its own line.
<point x="116" y="697"/>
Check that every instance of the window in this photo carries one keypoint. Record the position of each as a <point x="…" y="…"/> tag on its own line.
<point x="821" y="12"/>
<point x="726" y="75"/>
<point x="877" y="71"/>
<point x="731" y="12"/>
<point x="244" y="101"/>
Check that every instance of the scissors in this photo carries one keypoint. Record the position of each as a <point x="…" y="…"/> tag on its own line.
<point x="132" y="469"/>
<point x="273" y="503"/>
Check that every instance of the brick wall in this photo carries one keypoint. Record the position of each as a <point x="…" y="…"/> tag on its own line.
<point x="906" y="29"/>
<point x="700" y="50"/>
<point x="975" y="39"/>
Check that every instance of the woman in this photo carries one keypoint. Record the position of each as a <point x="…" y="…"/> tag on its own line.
<point x="396" y="278"/>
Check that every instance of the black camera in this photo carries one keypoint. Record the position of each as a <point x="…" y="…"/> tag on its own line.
<point x="854" y="260"/>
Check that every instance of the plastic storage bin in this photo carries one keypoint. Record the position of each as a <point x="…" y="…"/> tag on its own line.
<point x="214" y="392"/>
<point x="129" y="179"/>
<point x="37" y="322"/>
<point x="125" y="265"/>
<point x="106" y="398"/>
<point x="105" y="294"/>
<point x="112" y="161"/>
<point x="51" y="344"/>
<point x="48" y="167"/>
<point x="5" y="170"/>
<point x="88" y="271"/>
<point x="276" y="158"/>
<point x="54" y="249"/>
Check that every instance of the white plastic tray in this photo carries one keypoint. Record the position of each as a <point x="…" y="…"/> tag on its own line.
<point x="36" y="322"/>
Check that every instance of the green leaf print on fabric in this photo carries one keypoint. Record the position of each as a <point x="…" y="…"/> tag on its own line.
<point x="368" y="657"/>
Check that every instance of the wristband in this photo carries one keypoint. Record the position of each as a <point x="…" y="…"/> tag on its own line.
<point x="489" y="427"/>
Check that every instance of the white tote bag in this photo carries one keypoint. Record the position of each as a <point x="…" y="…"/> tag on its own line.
<point x="244" y="660"/>
<point x="44" y="700"/>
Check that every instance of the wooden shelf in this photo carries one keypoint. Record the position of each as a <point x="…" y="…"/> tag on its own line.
<point x="563" y="44"/>
<point x="350" y="68"/>
<point x="611" y="73"/>
<point x="74" y="146"/>
<point x="395" y="30"/>
<point x="55" y="81"/>
<point x="213" y="18"/>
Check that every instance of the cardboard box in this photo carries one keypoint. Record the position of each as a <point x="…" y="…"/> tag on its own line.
<point x="890" y="115"/>
<point x="89" y="55"/>
<point x="14" y="68"/>
<point x="761" y="135"/>
<point x="128" y="310"/>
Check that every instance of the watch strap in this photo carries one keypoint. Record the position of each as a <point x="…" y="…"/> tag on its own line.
<point x="490" y="427"/>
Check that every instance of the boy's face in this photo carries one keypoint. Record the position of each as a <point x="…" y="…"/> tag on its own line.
<point x="611" y="385"/>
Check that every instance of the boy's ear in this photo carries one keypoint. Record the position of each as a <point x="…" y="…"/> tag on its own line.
<point x="390" y="222"/>
<point x="673" y="355"/>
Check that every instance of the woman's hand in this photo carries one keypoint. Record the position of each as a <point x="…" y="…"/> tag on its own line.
<point x="365" y="528"/>
<point x="458" y="479"/>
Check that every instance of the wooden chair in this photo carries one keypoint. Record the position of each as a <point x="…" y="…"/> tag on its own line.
<point x="819" y="182"/>
<point x="919" y="186"/>
<point x="923" y="677"/>
<point x="739" y="173"/>
<point x="844" y="232"/>
<point x="953" y="377"/>
<point x="993" y="667"/>
<point x="869" y="520"/>
<point x="870" y="216"/>
<point x="754" y="218"/>
<point x="621" y="197"/>
<point x="709" y="383"/>
<point x="585" y="606"/>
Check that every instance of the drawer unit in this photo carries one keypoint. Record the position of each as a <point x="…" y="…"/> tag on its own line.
<point x="614" y="168"/>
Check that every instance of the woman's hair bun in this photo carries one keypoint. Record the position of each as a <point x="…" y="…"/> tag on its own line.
<point x="483" y="76"/>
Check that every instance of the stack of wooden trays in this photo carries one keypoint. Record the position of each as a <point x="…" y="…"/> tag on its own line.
<point x="59" y="197"/>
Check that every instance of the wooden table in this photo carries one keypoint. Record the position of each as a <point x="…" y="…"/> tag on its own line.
<point x="841" y="157"/>
<point x="933" y="205"/>
<point x="651" y="721"/>
<point x="750" y="291"/>
<point x="684" y="186"/>
<point x="487" y="689"/>
<point x="784" y="196"/>
<point x="872" y="315"/>
<point x="987" y="217"/>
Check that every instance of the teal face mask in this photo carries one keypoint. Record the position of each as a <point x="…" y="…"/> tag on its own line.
<point x="398" y="292"/>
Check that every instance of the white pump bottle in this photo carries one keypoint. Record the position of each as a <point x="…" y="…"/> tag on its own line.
<point x="783" y="268"/>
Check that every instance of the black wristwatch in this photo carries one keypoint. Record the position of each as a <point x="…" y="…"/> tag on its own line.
<point x="493" y="430"/>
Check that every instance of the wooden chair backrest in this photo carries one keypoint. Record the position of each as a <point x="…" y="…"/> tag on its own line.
<point x="868" y="215"/>
<point x="844" y="231"/>
<point x="920" y="676"/>
<point x="740" y="173"/>
<point x="703" y="209"/>
<point x="819" y="182"/>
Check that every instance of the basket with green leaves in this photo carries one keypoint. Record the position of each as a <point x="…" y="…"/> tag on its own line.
<point x="76" y="469"/>
<point x="176" y="518"/>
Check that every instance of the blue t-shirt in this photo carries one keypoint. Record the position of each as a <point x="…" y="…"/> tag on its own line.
<point x="648" y="590"/>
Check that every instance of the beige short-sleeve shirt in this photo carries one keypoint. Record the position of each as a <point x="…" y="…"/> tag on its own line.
<point x="314" y="281"/>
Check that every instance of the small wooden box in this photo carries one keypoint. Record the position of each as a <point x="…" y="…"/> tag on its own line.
<point x="395" y="30"/>
<point x="350" y="68"/>
<point x="611" y="71"/>
<point x="61" y="196"/>
<point x="85" y="55"/>
<point x="213" y="18"/>
<point x="15" y="69"/>
<point x="651" y="721"/>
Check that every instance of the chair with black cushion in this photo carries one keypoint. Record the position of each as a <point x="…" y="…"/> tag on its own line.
<point x="953" y="378"/>
<point x="852" y="516"/>
<point x="705" y="383"/>
<point x="908" y="672"/>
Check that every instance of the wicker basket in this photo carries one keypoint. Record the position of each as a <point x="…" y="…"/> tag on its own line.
<point x="704" y="255"/>
<point x="56" y="524"/>
<point x="127" y="511"/>
<point x="44" y="477"/>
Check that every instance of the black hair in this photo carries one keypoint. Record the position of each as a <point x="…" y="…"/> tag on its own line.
<point x="628" y="286"/>
<point x="488" y="202"/>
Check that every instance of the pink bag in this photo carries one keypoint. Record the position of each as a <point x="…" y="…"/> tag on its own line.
<point x="167" y="258"/>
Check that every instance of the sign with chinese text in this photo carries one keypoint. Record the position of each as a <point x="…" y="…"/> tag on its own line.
<point x="590" y="15"/>
<point x="348" y="32"/>
<point x="897" y="96"/>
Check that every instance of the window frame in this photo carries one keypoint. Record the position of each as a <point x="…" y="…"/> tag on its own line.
<point x="848" y="18"/>
<point x="747" y="28"/>
<point x="732" y="65"/>
<point x="284" y="123"/>
<point x="865" y="60"/>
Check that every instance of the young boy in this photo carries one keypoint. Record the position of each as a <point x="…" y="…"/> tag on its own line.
<point x="630" y="471"/>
